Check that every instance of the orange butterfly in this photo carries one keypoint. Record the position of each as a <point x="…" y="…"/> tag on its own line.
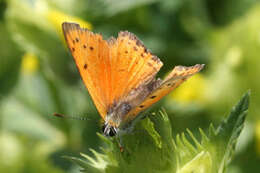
<point x="119" y="74"/>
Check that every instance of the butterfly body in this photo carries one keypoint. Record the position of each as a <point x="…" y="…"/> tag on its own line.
<point x="120" y="75"/>
<point x="116" y="116"/>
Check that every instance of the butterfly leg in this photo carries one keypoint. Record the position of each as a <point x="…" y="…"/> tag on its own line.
<point x="119" y="139"/>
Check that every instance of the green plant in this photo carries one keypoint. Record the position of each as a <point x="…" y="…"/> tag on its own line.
<point x="151" y="147"/>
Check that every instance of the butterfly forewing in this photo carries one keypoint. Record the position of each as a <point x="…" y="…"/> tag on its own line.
<point x="132" y="65"/>
<point x="87" y="49"/>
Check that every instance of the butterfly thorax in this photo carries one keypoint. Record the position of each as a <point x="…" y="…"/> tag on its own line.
<point x="117" y="112"/>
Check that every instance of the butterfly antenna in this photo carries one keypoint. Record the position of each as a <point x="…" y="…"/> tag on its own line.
<point x="70" y="117"/>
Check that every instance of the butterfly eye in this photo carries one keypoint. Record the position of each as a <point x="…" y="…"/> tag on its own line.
<point x="108" y="130"/>
<point x="112" y="131"/>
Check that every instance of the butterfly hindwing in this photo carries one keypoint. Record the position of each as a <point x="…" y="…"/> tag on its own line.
<point x="178" y="75"/>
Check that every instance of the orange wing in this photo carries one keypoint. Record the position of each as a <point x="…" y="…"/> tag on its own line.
<point x="110" y="69"/>
<point x="178" y="75"/>
<point x="88" y="51"/>
<point x="132" y="65"/>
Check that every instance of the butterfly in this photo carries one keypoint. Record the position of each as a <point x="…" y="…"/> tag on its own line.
<point x="120" y="75"/>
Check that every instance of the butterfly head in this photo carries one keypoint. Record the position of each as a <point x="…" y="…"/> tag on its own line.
<point x="115" y="118"/>
<point x="109" y="130"/>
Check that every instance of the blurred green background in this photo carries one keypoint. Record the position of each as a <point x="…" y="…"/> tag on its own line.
<point x="38" y="76"/>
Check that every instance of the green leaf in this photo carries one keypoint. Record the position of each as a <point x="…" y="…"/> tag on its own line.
<point x="86" y="167"/>
<point x="230" y="129"/>
<point x="192" y="158"/>
<point x="149" y="127"/>
<point x="196" y="166"/>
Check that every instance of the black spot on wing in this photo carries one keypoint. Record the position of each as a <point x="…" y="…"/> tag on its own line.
<point x="85" y="66"/>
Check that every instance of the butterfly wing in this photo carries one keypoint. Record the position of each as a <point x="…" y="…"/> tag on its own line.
<point x="132" y="65"/>
<point x="111" y="69"/>
<point x="178" y="75"/>
<point x="90" y="53"/>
